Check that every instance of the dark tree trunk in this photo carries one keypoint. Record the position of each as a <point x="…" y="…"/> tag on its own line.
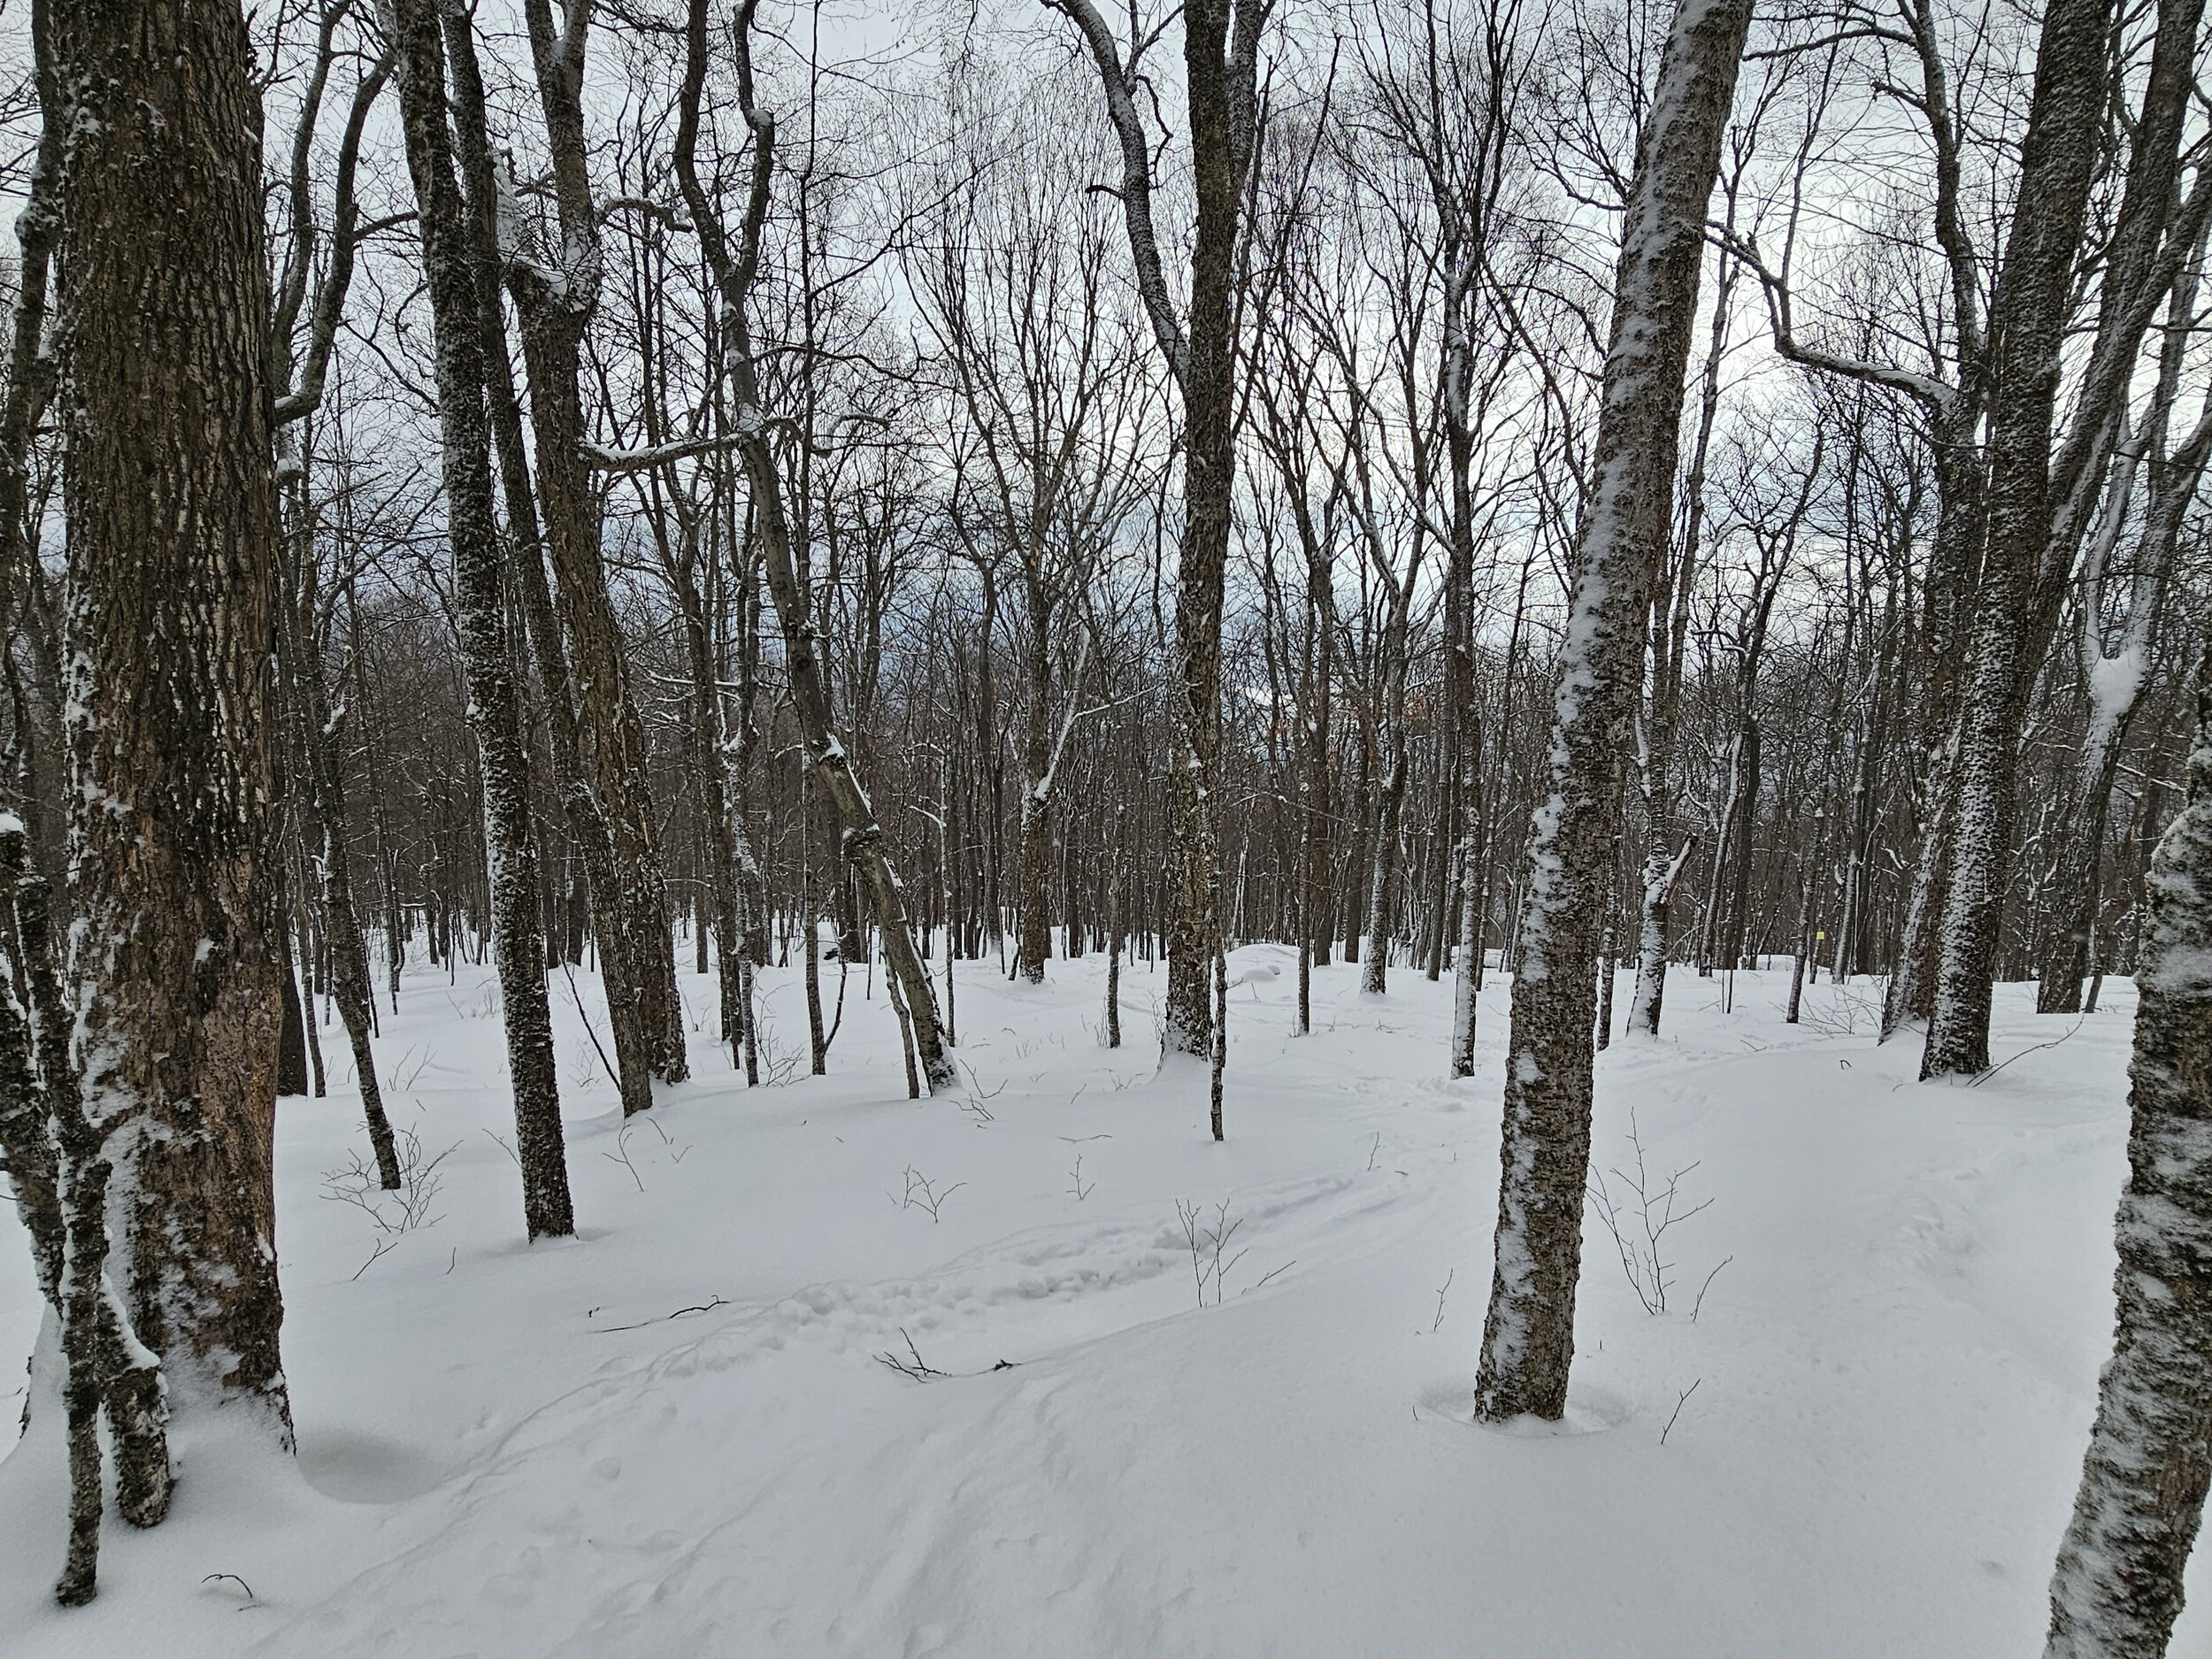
<point x="479" y="603"/>
<point x="169" y="475"/>
<point x="2057" y="158"/>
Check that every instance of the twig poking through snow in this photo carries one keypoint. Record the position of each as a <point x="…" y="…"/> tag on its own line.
<point x="708" y="1306"/>
<point x="923" y="1195"/>
<point x="1681" y="1399"/>
<point x="919" y="1368"/>
<point x="621" y="1155"/>
<point x="2031" y="1049"/>
<point x="1654" y="1212"/>
<point x="1436" y="1323"/>
<point x="1706" y="1286"/>
<point x="915" y="1366"/>
<point x="1207" y="1245"/>
<point x="252" y="1599"/>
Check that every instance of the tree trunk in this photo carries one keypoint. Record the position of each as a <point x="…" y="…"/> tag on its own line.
<point x="1528" y="1335"/>
<point x="57" y="1162"/>
<point x="1382" y="885"/>
<point x="2057" y="157"/>
<point x="2117" y="1586"/>
<point x="494" y="703"/>
<point x="169" y="477"/>
<point x="734" y="270"/>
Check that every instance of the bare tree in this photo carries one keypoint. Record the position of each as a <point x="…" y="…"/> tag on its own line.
<point x="451" y="266"/>
<point x="170" y="480"/>
<point x="1528" y="1335"/>
<point x="2117" y="1587"/>
<point x="1221" y="44"/>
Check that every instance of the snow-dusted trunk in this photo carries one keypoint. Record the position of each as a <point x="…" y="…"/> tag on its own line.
<point x="734" y="268"/>
<point x="2117" y="1586"/>
<point x="2058" y="156"/>
<point x="1911" y="993"/>
<point x="588" y="822"/>
<point x="1662" y="870"/>
<point x="1528" y="1335"/>
<point x="1033" y="933"/>
<point x="480" y="615"/>
<point x="58" y="1166"/>
<point x="1954" y="558"/>
<point x="1315" y="875"/>
<point x="1219" y="150"/>
<point x="1741" y="851"/>
<point x="555" y="295"/>
<point x="734" y="875"/>
<point x="1382" y="879"/>
<point x="1034" y="855"/>
<point x="1467" y="964"/>
<point x="1668" y="630"/>
<point x="1119" y="855"/>
<point x="2119" y="679"/>
<point x="2075" y="877"/>
<point x="169" y="479"/>
<point x="636" y="936"/>
<point x="1220" y="63"/>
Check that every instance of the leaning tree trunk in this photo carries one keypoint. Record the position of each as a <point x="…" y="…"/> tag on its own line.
<point x="2074" y="878"/>
<point x="734" y="269"/>
<point x="2117" y="1587"/>
<point x="479" y="605"/>
<point x="2057" y="157"/>
<point x="588" y="823"/>
<point x="1528" y="1335"/>
<point x="556" y="297"/>
<point x="170" y="482"/>
<point x="2117" y="683"/>
<point x="1655" y="754"/>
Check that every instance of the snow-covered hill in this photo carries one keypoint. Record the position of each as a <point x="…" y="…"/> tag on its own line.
<point x="675" y="1435"/>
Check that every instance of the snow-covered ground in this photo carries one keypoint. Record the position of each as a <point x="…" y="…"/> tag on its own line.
<point x="673" y="1436"/>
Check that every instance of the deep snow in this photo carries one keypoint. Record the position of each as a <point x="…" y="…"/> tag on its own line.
<point x="508" y="1450"/>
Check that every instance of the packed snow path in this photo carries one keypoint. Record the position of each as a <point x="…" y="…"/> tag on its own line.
<point x="673" y="1435"/>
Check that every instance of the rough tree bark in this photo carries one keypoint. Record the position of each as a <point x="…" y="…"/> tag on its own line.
<point x="169" y="481"/>
<point x="2117" y="1586"/>
<point x="479" y="603"/>
<point x="1220" y="60"/>
<point x="2058" y="156"/>
<point x="57" y="1162"/>
<point x="555" y="295"/>
<point x="582" y="807"/>
<point x="1528" y="1335"/>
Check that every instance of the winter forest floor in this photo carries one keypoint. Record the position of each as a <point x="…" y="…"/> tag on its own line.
<point x="671" y="1436"/>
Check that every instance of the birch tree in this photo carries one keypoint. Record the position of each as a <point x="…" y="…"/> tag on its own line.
<point x="1528" y="1334"/>
<point x="2117" y="1586"/>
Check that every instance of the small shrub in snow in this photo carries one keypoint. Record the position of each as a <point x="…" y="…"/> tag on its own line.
<point x="1639" y="1215"/>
